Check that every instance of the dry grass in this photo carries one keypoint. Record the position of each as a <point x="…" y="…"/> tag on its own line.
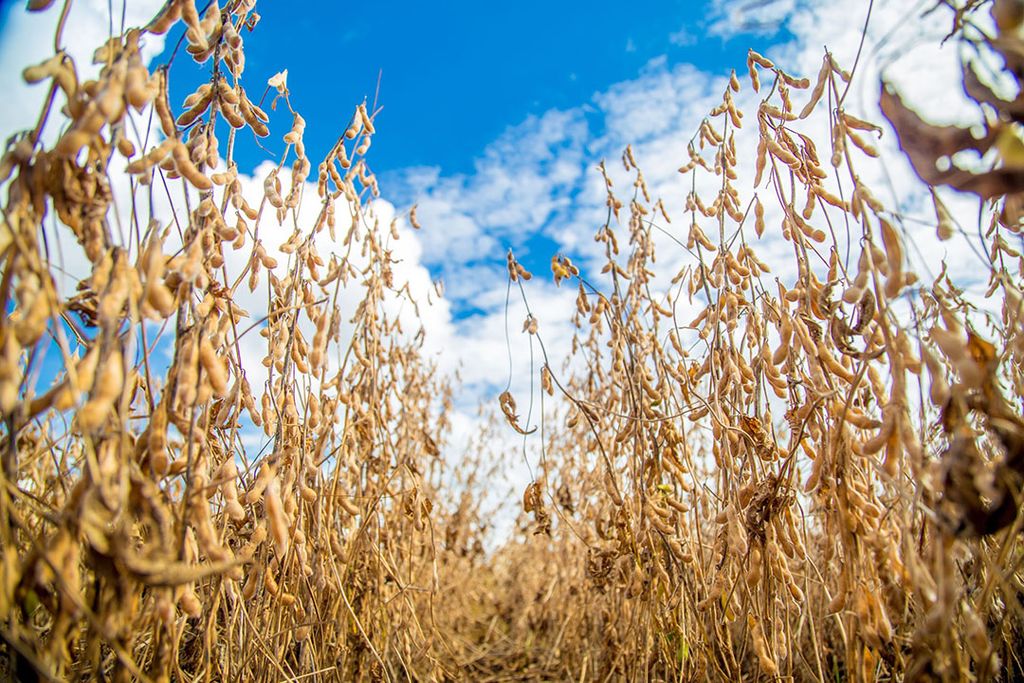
<point x="812" y="479"/>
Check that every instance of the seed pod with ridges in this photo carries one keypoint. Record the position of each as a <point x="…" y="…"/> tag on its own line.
<point x="72" y="142"/>
<point x="42" y="71"/>
<point x="232" y="114"/>
<point x="612" y="489"/>
<point x="190" y="15"/>
<point x="197" y="103"/>
<point x="214" y="366"/>
<point x="862" y="144"/>
<point x="830" y="198"/>
<point x="276" y="518"/>
<point x="252" y="582"/>
<point x="153" y="157"/>
<point x="838" y="601"/>
<point x="212" y="159"/>
<point x="254" y="116"/>
<point x="347" y="504"/>
<point x="187" y="169"/>
<point x="875" y="444"/>
<point x="189" y="602"/>
<point x="231" y="35"/>
<point x="136" y="87"/>
<point x="270" y="583"/>
<point x="894" y="259"/>
<point x="819" y="88"/>
<point x="793" y="82"/>
<point x="364" y="117"/>
<point x="125" y="146"/>
<point x="353" y="130"/>
<point x="227" y="92"/>
<point x="228" y="473"/>
<point x="169" y="14"/>
<point x="263" y="479"/>
<point x="106" y="391"/>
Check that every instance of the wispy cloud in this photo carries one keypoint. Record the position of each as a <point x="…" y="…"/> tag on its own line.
<point x="756" y="17"/>
<point x="684" y="37"/>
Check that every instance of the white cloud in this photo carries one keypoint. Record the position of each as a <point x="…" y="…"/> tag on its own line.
<point x="759" y="17"/>
<point x="682" y="38"/>
<point x="521" y="182"/>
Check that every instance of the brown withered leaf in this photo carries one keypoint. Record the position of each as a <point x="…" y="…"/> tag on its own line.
<point x="533" y="501"/>
<point x="565" y="499"/>
<point x="979" y="92"/>
<point x="84" y="305"/>
<point x="508" y="406"/>
<point x="924" y="144"/>
<point x="429" y="445"/>
<point x="921" y="140"/>
<point x="1010" y="431"/>
<point x="974" y="504"/>
<point x="763" y="445"/>
<point x="532" y="497"/>
<point x="982" y="351"/>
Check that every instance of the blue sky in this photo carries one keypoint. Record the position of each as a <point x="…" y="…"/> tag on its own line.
<point x="454" y="75"/>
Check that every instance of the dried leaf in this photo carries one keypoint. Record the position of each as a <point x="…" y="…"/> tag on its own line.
<point x="279" y="81"/>
<point x="926" y="144"/>
<point x="508" y="406"/>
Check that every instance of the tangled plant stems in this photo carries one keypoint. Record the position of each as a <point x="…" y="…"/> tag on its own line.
<point x="817" y="477"/>
<point x="144" y="537"/>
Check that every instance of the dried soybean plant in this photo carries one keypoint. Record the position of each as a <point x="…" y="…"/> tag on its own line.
<point x="206" y="517"/>
<point x="818" y="475"/>
<point x="811" y="473"/>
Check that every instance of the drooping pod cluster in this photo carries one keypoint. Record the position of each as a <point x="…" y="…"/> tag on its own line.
<point x="183" y="481"/>
<point x="770" y="469"/>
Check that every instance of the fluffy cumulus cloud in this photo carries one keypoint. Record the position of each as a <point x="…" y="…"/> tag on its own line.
<point x="523" y="183"/>
<point x="537" y="187"/>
